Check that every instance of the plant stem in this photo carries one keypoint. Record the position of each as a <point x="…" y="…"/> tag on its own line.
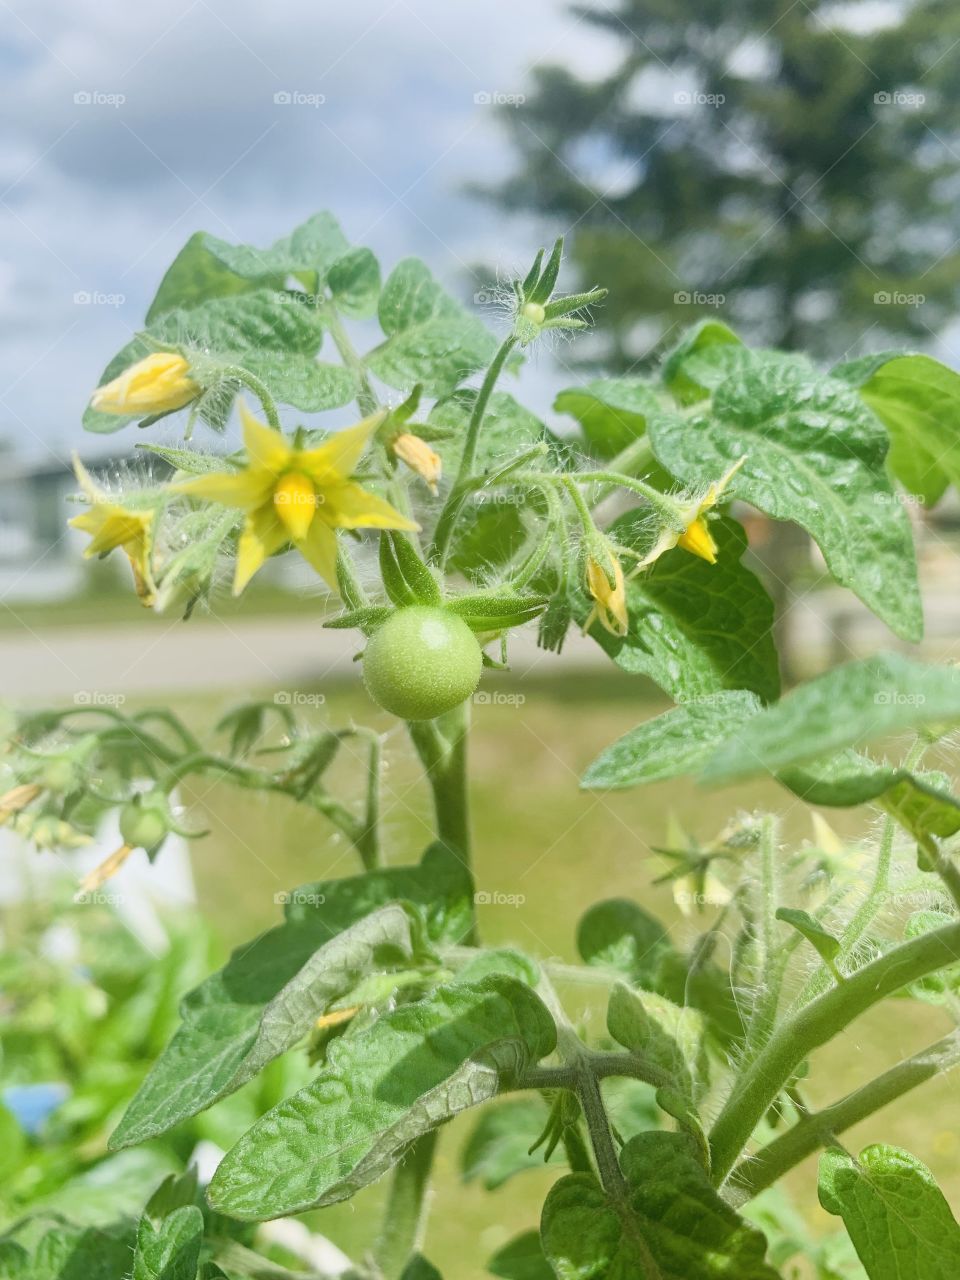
<point x="773" y="970"/>
<point x="405" y="1218"/>
<point x="368" y="844"/>
<point x="442" y="747"/>
<point x="366" y="399"/>
<point x="816" y="1128"/>
<point x="259" y="389"/>
<point x="451" y="508"/>
<point x="814" y="1025"/>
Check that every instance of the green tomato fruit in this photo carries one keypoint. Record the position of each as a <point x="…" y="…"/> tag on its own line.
<point x="143" y="826"/>
<point x="534" y="312"/>
<point x="422" y="662"/>
<point x="59" y="775"/>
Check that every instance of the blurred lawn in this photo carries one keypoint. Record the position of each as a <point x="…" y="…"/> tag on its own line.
<point x="538" y="836"/>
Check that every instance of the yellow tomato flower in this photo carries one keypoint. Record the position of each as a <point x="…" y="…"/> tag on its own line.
<point x="297" y="495"/>
<point x="606" y="586"/>
<point x="694" y="532"/>
<point x="112" y="525"/>
<point x="419" y="457"/>
<point x="158" y="383"/>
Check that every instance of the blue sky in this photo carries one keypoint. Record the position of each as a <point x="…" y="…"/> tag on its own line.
<point x="131" y="126"/>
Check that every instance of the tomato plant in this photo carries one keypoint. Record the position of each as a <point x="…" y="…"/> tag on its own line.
<point x="446" y="517"/>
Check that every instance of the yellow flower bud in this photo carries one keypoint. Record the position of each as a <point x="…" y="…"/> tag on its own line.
<point x="606" y="586"/>
<point x="158" y="383"/>
<point x="419" y="457"/>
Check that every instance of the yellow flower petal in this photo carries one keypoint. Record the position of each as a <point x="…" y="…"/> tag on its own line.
<point x="295" y="501"/>
<point x="266" y="448"/>
<point x="419" y="457"/>
<point x="698" y="540"/>
<point x="349" y="506"/>
<point x="319" y="548"/>
<point x="244" y="489"/>
<point x="159" y="383"/>
<point x="610" y="598"/>
<point x="338" y="456"/>
<point x="263" y="534"/>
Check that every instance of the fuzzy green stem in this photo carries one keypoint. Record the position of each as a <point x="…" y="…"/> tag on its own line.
<point x="815" y="1025"/>
<point x="765" y="1010"/>
<point x="365" y="396"/>
<point x="817" y="1128"/>
<point x="405" y="1218"/>
<point x="259" y="389"/>
<point x="451" y="508"/>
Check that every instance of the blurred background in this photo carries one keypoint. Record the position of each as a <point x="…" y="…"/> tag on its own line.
<point x="788" y="166"/>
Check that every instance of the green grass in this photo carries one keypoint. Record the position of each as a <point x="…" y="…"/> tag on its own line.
<point x="538" y="836"/>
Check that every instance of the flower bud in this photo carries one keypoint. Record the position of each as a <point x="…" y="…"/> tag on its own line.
<point x="159" y="383"/>
<point x="419" y="457"/>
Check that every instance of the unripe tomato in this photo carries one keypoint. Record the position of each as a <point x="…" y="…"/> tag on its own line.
<point x="534" y="312"/>
<point x="143" y="825"/>
<point x="422" y="662"/>
<point x="59" y="775"/>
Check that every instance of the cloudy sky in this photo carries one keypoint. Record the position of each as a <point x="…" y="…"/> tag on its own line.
<point x="129" y="127"/>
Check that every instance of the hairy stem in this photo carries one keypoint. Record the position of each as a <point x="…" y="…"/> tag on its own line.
<point x="405" y="1219"/>
<point x="816" y="1128"/>
<point x="812" y="1027"/>
<point x="366" y="398"/>
<point x="259" y="389"/>
<point x="451" y="508"/>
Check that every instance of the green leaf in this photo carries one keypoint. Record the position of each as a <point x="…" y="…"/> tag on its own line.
<point x="264" y="1001"/>
<point x="196" y="274"/>
<point x="815" y="454"/>
<point x="521" y="1259"/>
<point x="440" y="884"/>
<point x="168" y="1248"/>
<point x="300" y="380"/>
<point x="821" y="939"/>
<point x="849" y="706"/>
<point x="354" y="281"/>
<point x="197" y="464"/>
<point x="918" y="400"/>
<point x="499" y="1146"/>
<point x="431" y="338"/>
<point x="671" y="1040"/>
<point x="686" y="373"/>
<point x="697" y="628"/>
<point x="677" y="742"/>
<point x="409" y="1072"/>
<point x="612" y="412"/>
<point x="314" y="246"/>
<point x="673" y="1216"/>
<point x="619" y="934"/>
<point x="895" y="1213"/>
<point x="418" y="1268"/>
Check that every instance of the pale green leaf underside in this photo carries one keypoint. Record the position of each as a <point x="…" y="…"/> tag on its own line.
<point x="895" y="1213"/>
<point x="612" y="412"/>
<point x="409" y="1072"/>
<point x="678" y="742"/>
<point x="816" y="455"/>
<point x="847" y="707"/>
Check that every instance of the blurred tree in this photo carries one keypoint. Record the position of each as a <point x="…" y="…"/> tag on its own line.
<point x="798" y="159"/>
